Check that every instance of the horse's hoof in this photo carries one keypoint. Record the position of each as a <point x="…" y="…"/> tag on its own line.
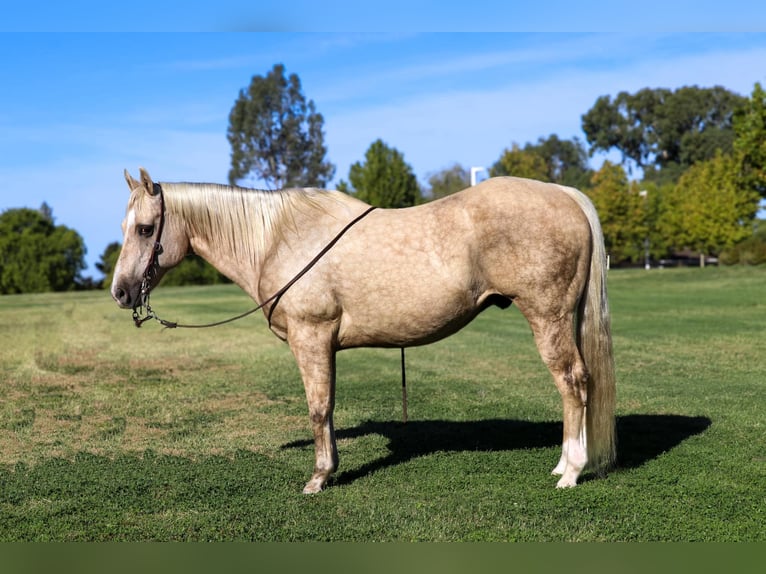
<point x="566" y="482"/>
<point x="313" y="486"/>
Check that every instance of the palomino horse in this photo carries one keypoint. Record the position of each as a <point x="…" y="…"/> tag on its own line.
<point x="398" y="278"/>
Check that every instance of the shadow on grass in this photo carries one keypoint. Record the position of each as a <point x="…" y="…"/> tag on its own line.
<point x="641" y="438"/>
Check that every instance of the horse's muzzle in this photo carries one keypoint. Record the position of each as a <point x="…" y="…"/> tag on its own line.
<point x="124" y="298"/>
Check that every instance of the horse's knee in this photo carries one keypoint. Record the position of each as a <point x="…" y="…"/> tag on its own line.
<point x="319" y="417"/>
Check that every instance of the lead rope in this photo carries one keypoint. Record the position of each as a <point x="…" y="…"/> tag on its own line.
<point x="150" y="313"/>
<point x="404" y="390"/>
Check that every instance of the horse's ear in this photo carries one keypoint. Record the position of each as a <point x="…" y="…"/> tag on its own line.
<point x="147" y="182"/>
<point x="132" y="183"/>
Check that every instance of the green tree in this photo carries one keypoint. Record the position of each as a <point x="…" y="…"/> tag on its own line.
<point x="566" y="160"/>
<point x="750" y="144"/>
<point x="46" y="211"/>
<point x="384" y="179"/>
<point x="709" y="209"/>
<point x="108" y="261"/>
<point x="448" y="181"/>
<point x="520" y="163"/>
<point x="622" y="209"/>
<point x="276" y="135"/>
<point x="36" y="255"/>
<point x="649" y="214"/>
<point x="664" y="129"/>
<point x="194" y="270"/>
<point x="751" y="251"/>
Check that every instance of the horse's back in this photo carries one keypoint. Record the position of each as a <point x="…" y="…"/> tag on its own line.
<point x="521" y="224"/>
<point x="518" y="198"/>
<point x="421" y="273"/>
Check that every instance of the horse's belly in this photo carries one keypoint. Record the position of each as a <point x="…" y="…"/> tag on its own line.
<point x="404" y="323"/>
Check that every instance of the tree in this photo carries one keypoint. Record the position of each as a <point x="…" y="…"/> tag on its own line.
<point x="651" y="210"/>
<point x="622" y="209"/>
<point x="566" y="160"/>
<point x="384" y="179"/>
<point x="46" y="211"/>
<point x="194" y="270"/>
<point x="750" y="144"/>
<point x="448" y="181"/>
<point x="751" y="251"/>
<point x="662" y="128"/>
<point x="621" y="123"/>
<point x="709" y="209"/>
<point x="108" y="261"/>
<point x="276" y="135"/>
<point x="550" y="159"/>
<point x="520" y="163"/>
<point x="36" y="255"/>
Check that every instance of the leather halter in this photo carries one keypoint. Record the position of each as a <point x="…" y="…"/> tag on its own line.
<point x="151" y="266"/>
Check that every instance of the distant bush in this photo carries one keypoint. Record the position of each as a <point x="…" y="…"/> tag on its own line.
<point x="194" y="271"/>
<point x="751" y="251"/>
<point x="36" y="255"/>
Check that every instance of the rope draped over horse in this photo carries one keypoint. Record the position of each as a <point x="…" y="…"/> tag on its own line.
<point x="396" y="278"/>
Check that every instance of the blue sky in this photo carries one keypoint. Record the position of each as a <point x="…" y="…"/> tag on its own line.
<point x="78" y="108"/>
<point x="398" y="15"/>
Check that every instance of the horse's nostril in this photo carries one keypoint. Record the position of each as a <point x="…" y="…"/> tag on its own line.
<point x="121" y="296"/>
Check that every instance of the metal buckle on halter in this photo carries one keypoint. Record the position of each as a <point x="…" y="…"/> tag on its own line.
<point x="143" y="303"/>
<point x="138" y="320"/>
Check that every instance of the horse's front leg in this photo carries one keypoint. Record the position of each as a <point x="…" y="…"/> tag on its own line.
<point x="313" y="350"/>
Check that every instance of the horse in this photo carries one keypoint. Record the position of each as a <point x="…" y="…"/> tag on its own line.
<point x="397" y="278"/>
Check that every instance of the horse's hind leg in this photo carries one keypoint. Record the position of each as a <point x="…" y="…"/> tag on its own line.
<point x="556" y="344"/>
<point x="316" y="360"/>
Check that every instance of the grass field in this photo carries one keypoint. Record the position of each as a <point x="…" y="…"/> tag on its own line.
<point x="112" y="433"/>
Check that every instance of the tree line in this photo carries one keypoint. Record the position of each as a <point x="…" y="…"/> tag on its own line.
<point x="690" y="175"/>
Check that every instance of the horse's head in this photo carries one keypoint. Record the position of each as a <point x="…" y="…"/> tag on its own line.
<point x="152" y="242"/>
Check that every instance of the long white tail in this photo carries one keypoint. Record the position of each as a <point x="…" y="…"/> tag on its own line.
<point x="594" y="340"/>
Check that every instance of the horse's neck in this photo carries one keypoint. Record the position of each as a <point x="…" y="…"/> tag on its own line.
<point x="232" y="229"/>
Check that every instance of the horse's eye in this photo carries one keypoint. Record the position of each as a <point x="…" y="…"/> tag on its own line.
<point x="145" y="230"/>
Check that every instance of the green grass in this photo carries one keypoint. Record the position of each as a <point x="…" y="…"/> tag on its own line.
<point x="108" y="432"/>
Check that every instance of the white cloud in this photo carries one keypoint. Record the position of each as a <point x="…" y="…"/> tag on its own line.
<point x="473" y="126"/>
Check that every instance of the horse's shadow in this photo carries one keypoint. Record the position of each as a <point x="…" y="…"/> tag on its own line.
<point x="640" y="438"/>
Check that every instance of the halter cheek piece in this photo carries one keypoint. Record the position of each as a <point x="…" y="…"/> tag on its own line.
<point x="151" y="269"/>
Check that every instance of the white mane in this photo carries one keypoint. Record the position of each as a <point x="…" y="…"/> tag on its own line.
<point x="243" y="220"/>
